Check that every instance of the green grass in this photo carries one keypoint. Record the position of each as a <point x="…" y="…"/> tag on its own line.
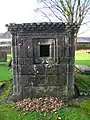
<point x="7" y="89"/>
<point x="5" y="74"/>
<point x="7" y="112"/>
<point x="81" y="57"/>
<point x="83" y="82"/>
<point x="4" y="63"/>
<point x="73" y="114"/>
<point x="85" y="104"/>
<point x="83" y="62"/>
<point x="9" y="56"/>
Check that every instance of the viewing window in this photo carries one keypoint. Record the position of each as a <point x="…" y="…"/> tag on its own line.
<point x="44" y="50"/>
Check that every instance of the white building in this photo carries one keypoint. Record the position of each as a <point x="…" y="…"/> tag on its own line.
<point x="5" y="42"/>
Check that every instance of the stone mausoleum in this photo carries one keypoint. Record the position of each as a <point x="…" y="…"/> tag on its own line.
<point x="43" y="60"/>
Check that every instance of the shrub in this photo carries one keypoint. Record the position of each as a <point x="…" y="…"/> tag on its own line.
<point x="83" y="46"/>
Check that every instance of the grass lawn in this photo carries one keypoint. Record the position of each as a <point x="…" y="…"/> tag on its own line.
<point x="4" y="63"/>
<point x="7" y="89"/>
<point x="83" y="82"/>
<point x="5" y="74"/>
<point x="7" y="112"/>
<point x="81" y="57"/>
<point x="9" y="57"/>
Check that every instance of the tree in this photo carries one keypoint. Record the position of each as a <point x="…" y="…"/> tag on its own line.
<point x="71" y="12"/>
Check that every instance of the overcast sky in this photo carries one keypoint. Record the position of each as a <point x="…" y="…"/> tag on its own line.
<point x="20" y="11"/>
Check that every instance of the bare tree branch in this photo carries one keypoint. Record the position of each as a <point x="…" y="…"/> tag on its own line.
<point x="50" y="8"/>
<point x="69" y="11"/>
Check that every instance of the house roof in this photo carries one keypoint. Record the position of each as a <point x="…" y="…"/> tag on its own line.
<point x="5" y="39"/>
<point x="5" y="35"/>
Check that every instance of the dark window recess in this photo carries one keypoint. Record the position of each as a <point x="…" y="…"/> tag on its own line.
<point x="44" y="51"/>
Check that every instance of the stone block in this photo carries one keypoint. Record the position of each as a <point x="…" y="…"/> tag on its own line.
<point x="27" y="41"/>
<point x="63" y="51"/>
<point x="32" y="80"/>
<point x="16" y="85"/>
<point x="71" y="68"/>
<point x="25" y="91"/>
<point x="23" y="80"/>
<point x="37" y="80"/>
<point x="52" y="80"/>
<point x="19" y="41"/>
<point x="66" y="51"/>
<point x="22" y="51"/>
<point x="24" y="40"/>
<point x="26" y="70"/>
<point x="61" y="69"/>
<point x="28" y="61"/>
<point x="63" y="60"/>
<point x="40" y="69"/>
<point x="30" y="52"/>
<point x="14" y="51"/>
<point x="51" y="70"/>
<point x="32" y="69"/>
<point x="71" y="79"/>
<point x="71" y="60"/>
<point x="52" y="49"/>
<point x="36" y="53"/>
<point x="37" y="60"/>
<point x="60" y="51"/>
<point x="61" y="80"/>
<point x="15" y="61"/>
<point x="61" y="92"/>
<point x="51" y="91"/>
<point x="15" y="77"/>
<point x="21" y="61"/>
<point x="61" y="40"/>
<point x="15" y="69"/>
<point x="72" y="50"/>
<point x="14" y="40"/>
<point x="41" y="80"/>
<point x="25" y="61"/>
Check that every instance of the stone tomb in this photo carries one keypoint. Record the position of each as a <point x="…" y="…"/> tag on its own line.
<point x="43" y="60"/>
<point x="3" y="56"/>
<point x="83" y="69"/>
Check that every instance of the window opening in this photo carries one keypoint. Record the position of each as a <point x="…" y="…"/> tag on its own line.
<point x="44" y="50"/>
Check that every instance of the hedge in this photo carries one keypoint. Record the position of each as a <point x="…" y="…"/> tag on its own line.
<point x="83" y="46"/>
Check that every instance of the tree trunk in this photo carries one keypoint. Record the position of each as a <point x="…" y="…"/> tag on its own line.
<point x="75" y="40"/>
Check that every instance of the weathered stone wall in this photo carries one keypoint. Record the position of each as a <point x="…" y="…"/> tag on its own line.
<point x="36" y="76"/>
